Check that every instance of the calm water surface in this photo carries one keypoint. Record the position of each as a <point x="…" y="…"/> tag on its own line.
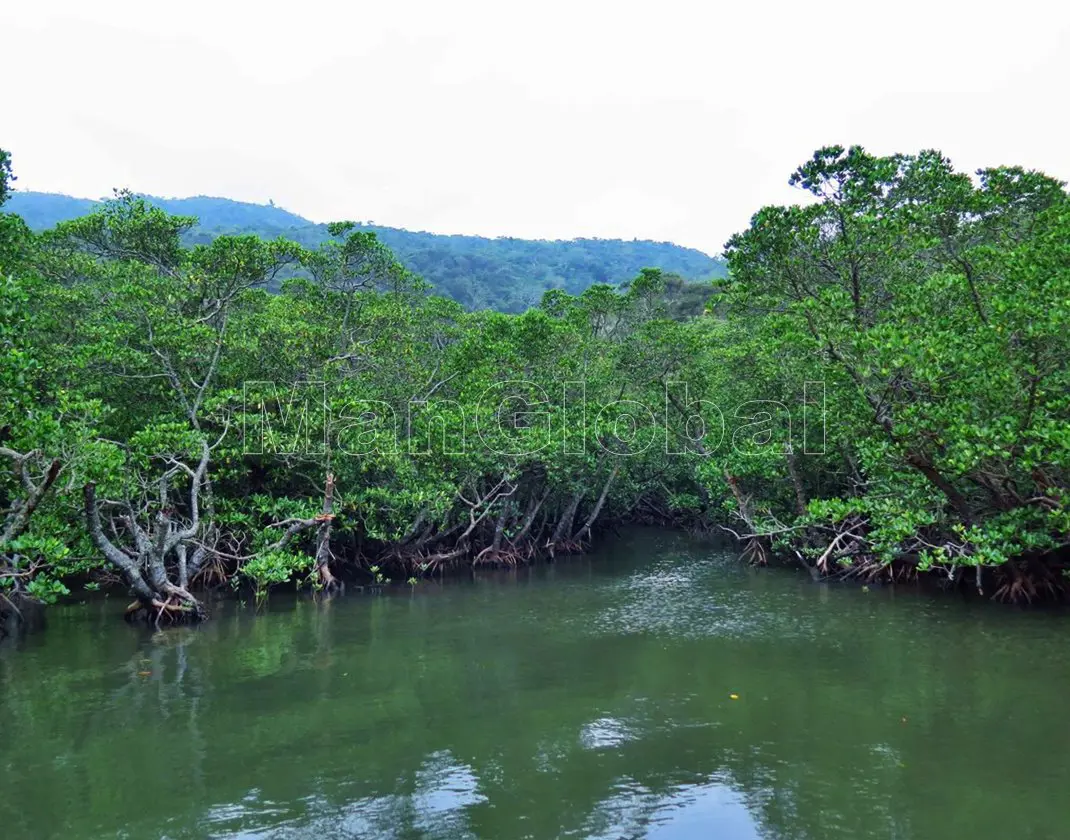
<point x="592" y="699"/>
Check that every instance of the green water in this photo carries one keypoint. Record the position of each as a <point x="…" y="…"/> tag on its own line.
<point x="587" y="699"/>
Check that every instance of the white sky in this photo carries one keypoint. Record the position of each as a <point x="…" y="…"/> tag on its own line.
<point x="661" y="120"/>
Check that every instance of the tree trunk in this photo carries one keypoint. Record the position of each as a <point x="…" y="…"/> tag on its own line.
<point x="564" y="525"/>
<point x="533" y="511"/>
<point x="323" y="537"/>
<point x="145" y="573"/>
<point x="586" y="529"/>
<point x="499" y="528"/>
<point x="742" y="502"/>
<point x="938" y="480"/>
<point x="796" y="483"/>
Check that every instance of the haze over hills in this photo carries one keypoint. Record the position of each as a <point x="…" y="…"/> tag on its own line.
<point x="504" y="273"/>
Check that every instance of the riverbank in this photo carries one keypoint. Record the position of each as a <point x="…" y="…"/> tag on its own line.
<point x="1021" y="582"/>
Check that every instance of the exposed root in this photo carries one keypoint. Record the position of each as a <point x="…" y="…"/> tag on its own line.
<point x="172" y="611"/>
<point x="848" y="554"/>
<point x="1025" y="582"/>
<point x="565" y="547"/>
<point x="755" y="552"/>
<point x="489" y="557"/>
<point x="327" y="581"/>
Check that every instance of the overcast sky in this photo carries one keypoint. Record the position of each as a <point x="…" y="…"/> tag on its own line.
<point x="660" y="120"/>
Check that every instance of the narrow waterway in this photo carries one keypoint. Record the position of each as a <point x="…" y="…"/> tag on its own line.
<point x="654" y="689"/>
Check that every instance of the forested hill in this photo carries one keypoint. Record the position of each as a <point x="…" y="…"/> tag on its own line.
<point x="506" y="274"/>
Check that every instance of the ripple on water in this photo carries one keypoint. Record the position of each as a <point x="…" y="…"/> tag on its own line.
<point x="688" y="598"/>
<point x="444" y="788"/>
<point x="708" y="809"/>
<point x="605" y="733"/>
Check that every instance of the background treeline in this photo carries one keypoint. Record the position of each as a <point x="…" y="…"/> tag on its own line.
<point x="506" y="274"/>
<point x="931" y="308"/>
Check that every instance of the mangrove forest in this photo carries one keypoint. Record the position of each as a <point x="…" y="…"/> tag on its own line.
<point x="878" y="390"/>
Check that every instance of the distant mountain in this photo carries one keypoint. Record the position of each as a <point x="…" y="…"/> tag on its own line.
<point x="505" y="273"/>
<point x="44" y="210"/>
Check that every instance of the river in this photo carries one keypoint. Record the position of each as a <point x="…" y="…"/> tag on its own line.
<point x="654" y="689"/>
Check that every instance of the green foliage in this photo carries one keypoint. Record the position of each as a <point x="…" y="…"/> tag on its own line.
<point x="6" y="176"/>
<point x="933" y="306"/>
<point x="882" y="381"/>
<point x="274" y="567"/>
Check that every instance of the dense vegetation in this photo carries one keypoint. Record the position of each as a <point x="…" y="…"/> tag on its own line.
<point x="506" y="274"/>
<point x="881" y="390"/>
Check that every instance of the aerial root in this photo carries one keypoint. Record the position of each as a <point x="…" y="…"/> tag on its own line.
<point x="755" y="553"/>
<point x="173" y="610"/>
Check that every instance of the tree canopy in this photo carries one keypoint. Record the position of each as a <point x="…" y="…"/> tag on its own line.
<point x="879" y="389"/>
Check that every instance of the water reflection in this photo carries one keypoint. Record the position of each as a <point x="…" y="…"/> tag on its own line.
<point x="661" y="691"/>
